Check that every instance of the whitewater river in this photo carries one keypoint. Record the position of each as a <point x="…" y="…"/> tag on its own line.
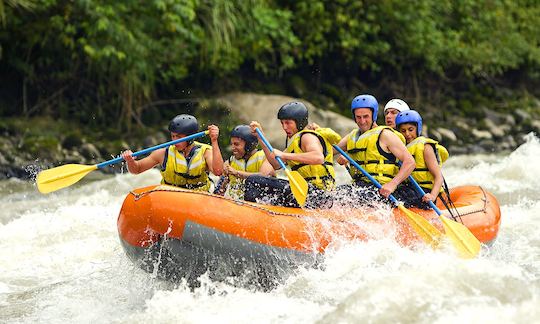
<point x="61" y="261"/>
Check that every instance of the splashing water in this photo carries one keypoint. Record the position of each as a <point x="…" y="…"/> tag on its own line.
<point x="61" y="261"/>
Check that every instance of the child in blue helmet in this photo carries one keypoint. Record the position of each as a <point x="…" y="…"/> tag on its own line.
<point x="428" y="154"/>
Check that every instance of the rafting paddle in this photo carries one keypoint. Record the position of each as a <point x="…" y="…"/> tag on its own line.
<point x="63" y="176"/>
<point x="298" y="184"/>
<point x="461" y="237"/>
<point x="427" y="232"/>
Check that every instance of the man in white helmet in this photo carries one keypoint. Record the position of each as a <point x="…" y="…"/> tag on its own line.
<point x="392" y="108"/>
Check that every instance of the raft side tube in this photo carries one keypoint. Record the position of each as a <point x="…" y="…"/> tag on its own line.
<point x="204" y="249"/>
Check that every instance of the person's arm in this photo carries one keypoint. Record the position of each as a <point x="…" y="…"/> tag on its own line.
<point x="265" y="170"/>
<point x="213" y="157"/>
<point x="342" y="145"/>
<point x="435" y="170"/>
<point x="391" y="143"/>
<point x="343" y="142"/>
<point x="312" y="155"/>
<point x="139" y="166"/>
<point x="270" y="157"/>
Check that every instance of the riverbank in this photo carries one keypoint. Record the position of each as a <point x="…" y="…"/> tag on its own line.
<point x="30" y="145"/>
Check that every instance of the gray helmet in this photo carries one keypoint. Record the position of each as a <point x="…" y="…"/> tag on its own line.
<point x="244" y="132"/>
<point x="184" y="124"/>
<point x="296" y="111"/>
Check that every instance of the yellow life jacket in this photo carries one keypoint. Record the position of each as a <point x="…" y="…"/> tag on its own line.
<point x="366" y="151"/>
<point x="421" y="173"/>
<point x="321" y="176"/>
<point x="188" y="172"/>
<point x="329" y="134"/>
<point x="253" y="164"/>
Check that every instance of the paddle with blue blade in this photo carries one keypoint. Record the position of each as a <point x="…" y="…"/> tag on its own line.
<point x="461" y="237"/>
<point x="63" y="176"/>
<point x="299" y="186"/>
<point x="425" y="230"/>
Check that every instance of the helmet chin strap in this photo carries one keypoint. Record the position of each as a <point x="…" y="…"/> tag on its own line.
<point x="185" y="151"/>
<point x="247" y="154"/>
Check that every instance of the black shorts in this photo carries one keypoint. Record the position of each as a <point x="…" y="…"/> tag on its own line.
<point x="274" y="191"/>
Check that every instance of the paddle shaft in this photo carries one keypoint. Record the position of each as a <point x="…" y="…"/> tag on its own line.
<point x="461" y="237"/>
<point x="425" y="230"/>
<point x="422" y="192"/>
<point x="356" y="165"/>
<point x="261" y="136"/>
<point x="299" y="186"/>
<point x="153" y="148"/>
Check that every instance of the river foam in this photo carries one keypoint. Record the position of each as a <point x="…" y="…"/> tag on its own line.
<point x="61" y="260"/>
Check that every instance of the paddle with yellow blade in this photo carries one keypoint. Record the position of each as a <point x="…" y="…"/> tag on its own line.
<point x="427" y="232"/>
<point x="63" y="176"/>
<point x="461" y="237"/>
<point x="299" y="186"/>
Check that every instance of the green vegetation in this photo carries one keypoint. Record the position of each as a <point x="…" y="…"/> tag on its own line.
<point x="111" y="64"/>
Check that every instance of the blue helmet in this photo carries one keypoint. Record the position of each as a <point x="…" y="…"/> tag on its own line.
<point x="410" y="116"/>
<point x="365" y="101"/>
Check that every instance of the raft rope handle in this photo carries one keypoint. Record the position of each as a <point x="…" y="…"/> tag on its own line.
<point x="204" y="193"/>
<point x="474" y="211"/>
<point x="450" y="206"/>
<point x="272" y="212"/>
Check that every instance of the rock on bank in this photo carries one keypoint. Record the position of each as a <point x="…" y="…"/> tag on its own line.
<point x="264" y="108"/>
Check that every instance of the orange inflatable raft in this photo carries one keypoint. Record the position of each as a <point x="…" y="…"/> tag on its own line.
<point x="181" y="233"/>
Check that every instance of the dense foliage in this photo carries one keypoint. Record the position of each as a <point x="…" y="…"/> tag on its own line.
<point x="108" y="62"/>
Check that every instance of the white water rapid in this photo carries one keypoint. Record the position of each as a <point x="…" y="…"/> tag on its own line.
<point x="61" y="261"/>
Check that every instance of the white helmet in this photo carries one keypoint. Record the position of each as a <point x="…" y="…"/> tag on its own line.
<point x="398" y="104"/>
